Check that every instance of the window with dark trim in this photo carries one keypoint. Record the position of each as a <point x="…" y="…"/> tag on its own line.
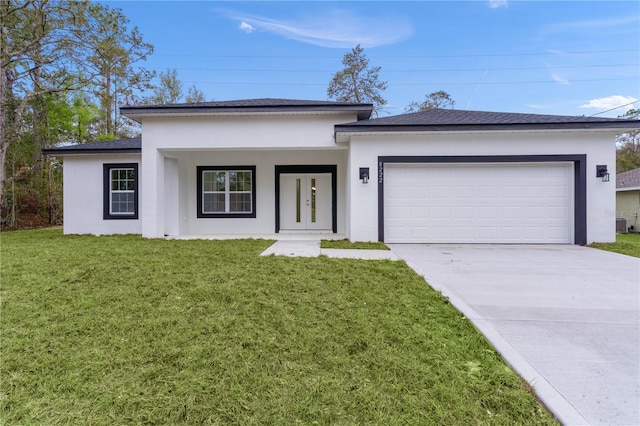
<point x="226" y="191"/>
<point x="120" y="191"/>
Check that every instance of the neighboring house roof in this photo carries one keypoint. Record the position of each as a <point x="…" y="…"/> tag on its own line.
<point x="461" y="120"/>
<point x="133" y="145"/>
<point x="363" y="110"/>
<point x="628" y="180"/>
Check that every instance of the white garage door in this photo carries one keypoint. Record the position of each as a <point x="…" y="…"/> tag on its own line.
<point x="478" y="203"/>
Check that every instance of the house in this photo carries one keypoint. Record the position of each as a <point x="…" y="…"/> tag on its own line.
<point x="265" y="166"/>
<point x="628" y="198"/>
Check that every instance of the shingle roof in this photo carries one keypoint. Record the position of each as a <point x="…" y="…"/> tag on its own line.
<point x="133" y="145"/>
<point x="630" y="179"/>
<point x="363" y="110"/>
<point x="449" y="119"/>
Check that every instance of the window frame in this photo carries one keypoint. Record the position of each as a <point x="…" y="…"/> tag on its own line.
<point x="200" y="191"/>
<point x="107" y="191"/>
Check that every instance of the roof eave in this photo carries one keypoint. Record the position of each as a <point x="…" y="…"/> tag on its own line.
<point x="628" y="188"/>
<point x="55" y="152"/>
<point x="363" y="112"/>
<point x="612" y="126"/>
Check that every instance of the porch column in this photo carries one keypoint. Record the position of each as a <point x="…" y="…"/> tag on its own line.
<point x="152" y="193"/>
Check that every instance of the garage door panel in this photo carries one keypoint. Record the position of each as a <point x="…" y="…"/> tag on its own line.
<point x="484" y="203"/>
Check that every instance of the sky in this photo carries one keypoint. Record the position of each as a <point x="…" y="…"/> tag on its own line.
<point x="547" y="57"/>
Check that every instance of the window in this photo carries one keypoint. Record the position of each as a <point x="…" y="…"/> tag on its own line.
<point x="120" y="191"/>
<point x="225" y="191"/>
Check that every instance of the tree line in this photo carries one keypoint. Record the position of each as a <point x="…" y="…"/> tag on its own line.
<point x="65" y="66"/>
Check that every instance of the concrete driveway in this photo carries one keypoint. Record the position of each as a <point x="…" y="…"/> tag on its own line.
<point x="566" y="318"/>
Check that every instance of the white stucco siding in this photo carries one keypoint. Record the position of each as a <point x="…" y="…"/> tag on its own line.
<point x="243" y="132"/>
<point x="246" y="140"/>
<point x="628" y="207"/>
<point x="83" y="196"/>
<point x="599" y="148"/>
<point x="265" y="162"/>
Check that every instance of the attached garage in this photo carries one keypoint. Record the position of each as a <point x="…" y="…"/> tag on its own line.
<point x="479" y="202"/>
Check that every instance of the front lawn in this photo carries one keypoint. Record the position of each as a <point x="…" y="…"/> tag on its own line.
<point x="122" y="330"/>
<point x="628" y="244"/>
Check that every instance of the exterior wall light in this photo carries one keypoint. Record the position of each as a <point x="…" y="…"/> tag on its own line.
<point x="602" y="172"/>
<point x="364" y="174"/>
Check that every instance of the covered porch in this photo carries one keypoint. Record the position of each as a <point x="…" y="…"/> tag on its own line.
<point x="258" y="193"/>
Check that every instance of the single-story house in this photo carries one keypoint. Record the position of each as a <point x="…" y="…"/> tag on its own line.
<point x="265" y="166"/>
<point x="628" y="198"/>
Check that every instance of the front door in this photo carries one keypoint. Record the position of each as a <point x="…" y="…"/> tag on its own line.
<point x="305" y="201"/>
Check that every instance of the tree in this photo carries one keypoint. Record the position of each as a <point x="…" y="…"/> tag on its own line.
<point x="434" y="100"/>
<point x="358" y="82"/>
<point x="169" y="89"/>
<point x="628" y="144"/>
<point x="112" y="50"/>
<point x="194" y="95"/>
<point x="53" y="53"/>
<point x="39" y="56"/>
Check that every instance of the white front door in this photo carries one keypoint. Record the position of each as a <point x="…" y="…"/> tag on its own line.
<point x="305" y="201"/>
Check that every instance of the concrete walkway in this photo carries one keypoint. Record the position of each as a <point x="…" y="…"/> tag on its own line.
<point x="566" y="318"/>
<point x="311" y="248"/>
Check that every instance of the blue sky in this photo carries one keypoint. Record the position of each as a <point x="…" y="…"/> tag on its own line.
<point x="548" y="57"/>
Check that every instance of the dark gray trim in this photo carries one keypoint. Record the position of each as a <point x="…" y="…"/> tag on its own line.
<point x="62" y="153"/>
<point x="106" y="190"/>
<point x="362" y="128"/>
<point x="579" y="169"/>
<point x="120" y="146"/>
<point x="201" y="215"/>
<point x="313" y="168"/>
<point x="362" y="110"/>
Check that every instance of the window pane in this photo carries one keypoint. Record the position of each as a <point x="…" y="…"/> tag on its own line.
<point x="220" y="181"/>
<point x="239" y="181"/>
<point x="244" y="181"/>
<point x="313" y="200"/>
<point x="240" y="203"/>
<point x="297" y="200"/>
<point x="233" y="181"/>
<point x="122" y="202"/>
<point x="208" y="179"/>
<point x="213" y="203"/>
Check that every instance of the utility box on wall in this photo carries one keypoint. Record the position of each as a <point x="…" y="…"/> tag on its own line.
<point x="621" y="225"/>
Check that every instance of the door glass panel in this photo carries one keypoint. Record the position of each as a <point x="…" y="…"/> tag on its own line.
<point x="298" y="200"/>
<point x="313" y="200"/>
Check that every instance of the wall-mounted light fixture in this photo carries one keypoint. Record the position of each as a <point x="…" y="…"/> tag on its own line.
<point x="602" y="172"/>
<point x="364" y="174"/>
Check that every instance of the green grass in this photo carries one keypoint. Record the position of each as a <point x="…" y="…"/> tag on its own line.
<point x="628" y="244"/>
<point x="346" y="244"/>
<point x="121" y="330"/>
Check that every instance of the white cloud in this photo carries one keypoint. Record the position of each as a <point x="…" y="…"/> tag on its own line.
<point x="624" y="103"/>
<point x="247" y="28"/>
<point x="337" y="28"/>
<point x="591" y="25"/>
<point x="559" y="79"/>
<point x="536" y="106"/>
<point x="495" y="4"/>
